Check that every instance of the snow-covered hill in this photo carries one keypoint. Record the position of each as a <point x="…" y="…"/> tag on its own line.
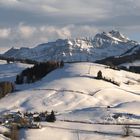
<point x="73" y="90"/>
<point x="101" y="46"/>
<point x="76" y="95"/>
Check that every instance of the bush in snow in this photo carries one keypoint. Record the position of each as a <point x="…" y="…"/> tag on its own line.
<point x="6" y="87"/>
<point x="111" y="81"/>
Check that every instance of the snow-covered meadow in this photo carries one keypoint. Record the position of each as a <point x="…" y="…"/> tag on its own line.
<point x="76" y="131"/>
<point x="75" y="94"/>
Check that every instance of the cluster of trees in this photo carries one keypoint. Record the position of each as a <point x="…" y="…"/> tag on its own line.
<point x="111" y="81"/>
<point x="99" y="76"/>
<point x="12" y="59"/>
<point x="5" y="88"/>
<point x="37" y="72"/>
<point x="111" y="65"/>
<point x="48" y="117"/>
<point x="51" y="117"/>
<point x="135" y="69"/>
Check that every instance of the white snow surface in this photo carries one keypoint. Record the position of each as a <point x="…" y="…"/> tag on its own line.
<point x="71" y="88"/>
<point x="73" y="131"/>
<point x="75" y="94"/>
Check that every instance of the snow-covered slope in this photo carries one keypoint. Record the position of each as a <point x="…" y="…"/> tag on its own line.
<point x="9" y="71"/>
<point x="103" y="45"/>
<point x="134" y="50"/>
<point x="73" y="91"/>
<point x="78" y="97"/>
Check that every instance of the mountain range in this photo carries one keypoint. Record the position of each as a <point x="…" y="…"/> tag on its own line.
<point x="103" y="45"/>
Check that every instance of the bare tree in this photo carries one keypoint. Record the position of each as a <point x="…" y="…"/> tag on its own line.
<point x="126" y="131"/>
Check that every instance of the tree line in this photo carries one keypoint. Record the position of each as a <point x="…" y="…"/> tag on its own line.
<point x="100" y="76"/>
<point x="38" y="71"/>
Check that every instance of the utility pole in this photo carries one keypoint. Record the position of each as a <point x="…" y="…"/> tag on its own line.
<point x="89" y="69"/>
<point x="78" y="135"/>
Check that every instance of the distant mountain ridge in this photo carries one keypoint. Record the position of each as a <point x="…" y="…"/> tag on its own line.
<point x="103" y="45"/>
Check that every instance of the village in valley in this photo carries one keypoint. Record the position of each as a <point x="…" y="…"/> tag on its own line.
<point x="27" y="119"/>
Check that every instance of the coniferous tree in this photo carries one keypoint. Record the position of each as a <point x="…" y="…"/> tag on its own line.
<point x="51" y="117"/>
<point x="62" y="63"/>
<point x="19" y="79"/>
<point x="99" y="75"/>
<point x="8" y="61"/>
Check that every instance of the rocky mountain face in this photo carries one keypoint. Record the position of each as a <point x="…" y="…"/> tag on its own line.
<point x="103" y="45"/>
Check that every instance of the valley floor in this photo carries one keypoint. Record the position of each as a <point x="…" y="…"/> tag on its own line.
<point x="78" y="131"/>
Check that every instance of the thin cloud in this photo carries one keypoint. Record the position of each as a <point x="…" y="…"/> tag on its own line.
<point x="5" y="33"/>
<point x="26" y="31"/>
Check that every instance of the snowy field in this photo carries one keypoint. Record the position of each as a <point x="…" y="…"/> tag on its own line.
<point x="75" y="94"/>
<point x="74" y="131"/>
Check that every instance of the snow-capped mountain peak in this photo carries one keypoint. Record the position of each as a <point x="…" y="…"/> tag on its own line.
<point x="111" y="37"/>
<point x="103" y="45"/>
<point x="118" y="35"/>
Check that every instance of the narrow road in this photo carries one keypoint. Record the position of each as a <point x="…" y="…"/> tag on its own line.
<point x="109" y="133"/>
<point x="84" y="122"/>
